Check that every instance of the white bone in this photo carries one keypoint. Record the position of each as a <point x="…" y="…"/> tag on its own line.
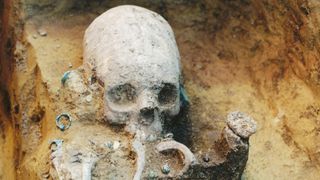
<point x="133" y="45"/>
<point x="140" y="151"/>
<point x="70" y="170"/>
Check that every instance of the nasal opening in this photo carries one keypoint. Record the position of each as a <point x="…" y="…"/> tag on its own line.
<point x="147" y="112"/>
<point x="147" y="115"/>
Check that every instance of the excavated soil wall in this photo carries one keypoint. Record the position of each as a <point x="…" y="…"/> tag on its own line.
<point x="8" y="141"/>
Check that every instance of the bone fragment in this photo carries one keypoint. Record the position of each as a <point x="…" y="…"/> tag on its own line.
<point x="140" y="151"/>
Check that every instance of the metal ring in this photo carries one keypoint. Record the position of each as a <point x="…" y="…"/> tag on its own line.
<point x="61" y="126"/>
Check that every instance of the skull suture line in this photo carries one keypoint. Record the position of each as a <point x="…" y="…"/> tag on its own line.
<point x="134" y="53"/>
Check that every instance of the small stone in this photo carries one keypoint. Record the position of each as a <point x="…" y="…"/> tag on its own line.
<point x="46" y="175"/>
<point x="152" y="175"/>
<point x="70" y="65"/>
<point x="34" y="36"/>
<point x="241" y="124"/>
<point x="109" y="144"/>
<point x="165" y="169"/>
<point x="42" y="32"/>
<point x="206" y="158"/>
<point x="198" y="66"/>
<point x="168" y="136"/>
<point x="89" y="98"/>
<point x="116" y="145"/>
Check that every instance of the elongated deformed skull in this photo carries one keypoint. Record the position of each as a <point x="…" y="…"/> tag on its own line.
<point x="134" y="53"/>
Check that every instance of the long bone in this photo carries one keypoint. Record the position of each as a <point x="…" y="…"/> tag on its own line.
<point x="87" y="166"/>
<point x="140" y="151"/>
<point x="139" y="148"/>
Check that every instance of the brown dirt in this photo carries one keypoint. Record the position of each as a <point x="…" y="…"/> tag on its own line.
<point x="258" y="57"/>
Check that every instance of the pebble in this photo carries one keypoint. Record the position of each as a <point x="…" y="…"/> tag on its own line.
<point x="165" y="169"/>
<point x="70" y="65"/>
<point x="42" y="32"/>
<point x="152" y="174"/>
<point x="46" y="175"/>
<point x="109" y="144"/>
<point x="206" y="158"/>
<point x="116" y="145"/>
<point x="89" y="98"/>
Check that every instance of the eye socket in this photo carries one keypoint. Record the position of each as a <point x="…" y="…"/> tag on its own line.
<point x="122" y="94"/>
<point x="168" y="94"/>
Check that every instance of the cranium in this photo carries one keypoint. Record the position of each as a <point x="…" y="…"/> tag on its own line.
<point x="134" y="54"/>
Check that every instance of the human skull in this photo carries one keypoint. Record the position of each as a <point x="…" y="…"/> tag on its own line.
<point x="134" y="53"/>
